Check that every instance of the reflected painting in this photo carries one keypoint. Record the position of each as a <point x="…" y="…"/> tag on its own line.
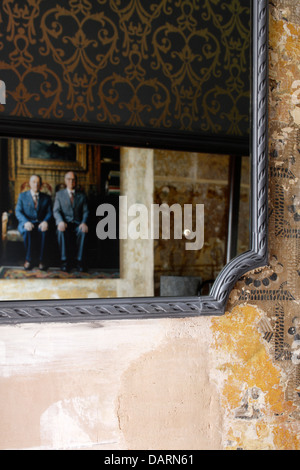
<point x="47" y="150"/>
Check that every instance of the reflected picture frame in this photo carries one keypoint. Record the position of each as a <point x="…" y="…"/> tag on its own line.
<point x="12" y="312"/>
<point x="29" y="155"/>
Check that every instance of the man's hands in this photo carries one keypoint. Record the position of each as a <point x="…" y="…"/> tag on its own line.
<point x="43" y="226"/>
<point x="28" y="226"/>
<point x="84" y="228"/>
<point x="62" y="227"/>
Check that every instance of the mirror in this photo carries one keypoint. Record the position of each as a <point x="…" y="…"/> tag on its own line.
<point x="182" y="145"/>
<point x="185" y="214"/>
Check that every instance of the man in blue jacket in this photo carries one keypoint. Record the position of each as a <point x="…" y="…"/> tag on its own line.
<point x="34" y="212"/>
<point x="71" y="214"/>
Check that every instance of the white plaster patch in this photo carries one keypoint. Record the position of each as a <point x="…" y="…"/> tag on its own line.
<point x="287" y="30"/>
<point x="61" y="425"/>
<point x="296" y="115"/>
<point x="295" y="98"/>
<point x="32" y="348"/>
<point x="296" y="352"/>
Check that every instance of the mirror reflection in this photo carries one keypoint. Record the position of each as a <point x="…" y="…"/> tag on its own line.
<point x="221" y="184"/>
<point x="143" y="222"/>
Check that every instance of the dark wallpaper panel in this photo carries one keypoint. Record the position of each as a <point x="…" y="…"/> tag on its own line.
<point x="170" y="65"/>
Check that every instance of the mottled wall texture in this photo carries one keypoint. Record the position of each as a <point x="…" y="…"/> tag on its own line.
<point x="229" y="382"/>
<point x="265" y="370"/>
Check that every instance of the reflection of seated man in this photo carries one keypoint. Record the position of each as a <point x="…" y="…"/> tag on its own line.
<point x="71" y="215"/>
<point x="34" y="211"/>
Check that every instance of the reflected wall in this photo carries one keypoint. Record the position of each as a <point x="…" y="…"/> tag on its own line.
<point x="198" y="178"/>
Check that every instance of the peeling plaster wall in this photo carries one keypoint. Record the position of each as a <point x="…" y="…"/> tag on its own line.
<point x="114" y="385"/>
<point x="230" y="382"/>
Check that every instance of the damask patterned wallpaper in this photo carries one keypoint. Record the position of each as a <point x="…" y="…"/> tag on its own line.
<point x="162" y="64"/>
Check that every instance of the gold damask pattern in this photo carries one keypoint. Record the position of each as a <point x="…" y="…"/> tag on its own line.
<point x="162" y="64"/>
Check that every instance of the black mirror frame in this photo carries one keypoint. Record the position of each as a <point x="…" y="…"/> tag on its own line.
<point x="169" y="307"/>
